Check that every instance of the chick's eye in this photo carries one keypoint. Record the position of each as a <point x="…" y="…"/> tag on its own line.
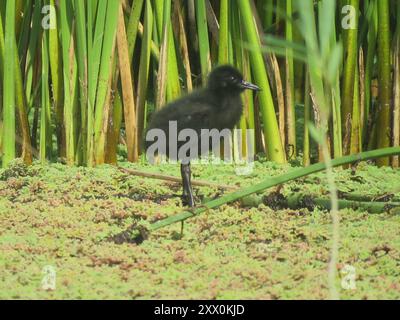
<point x="232" y="79"/>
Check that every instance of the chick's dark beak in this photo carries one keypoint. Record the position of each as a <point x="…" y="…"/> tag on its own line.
<point x="248" y="85"/>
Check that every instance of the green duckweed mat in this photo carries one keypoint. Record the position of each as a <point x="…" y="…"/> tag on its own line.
<point x="62" y="218"/>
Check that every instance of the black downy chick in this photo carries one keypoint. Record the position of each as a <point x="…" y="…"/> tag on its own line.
<point x="218" y="106"/>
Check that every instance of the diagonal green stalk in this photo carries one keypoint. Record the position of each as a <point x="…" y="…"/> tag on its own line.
<point x="271" y="182"/>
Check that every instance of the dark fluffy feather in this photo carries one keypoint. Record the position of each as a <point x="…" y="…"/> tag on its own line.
<point x="218" y="106"/>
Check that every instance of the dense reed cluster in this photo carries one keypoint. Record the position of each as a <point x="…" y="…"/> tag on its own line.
<point x="78" y="78"/>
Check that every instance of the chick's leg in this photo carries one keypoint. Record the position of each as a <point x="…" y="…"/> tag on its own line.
<point x="187" y="184"/>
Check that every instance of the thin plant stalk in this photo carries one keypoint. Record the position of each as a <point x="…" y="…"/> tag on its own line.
<point x="183" y="43"/>
<point x="289" y="84"/>
<point x="102" y="107"/>
<point x="143" y="78"/>
<point x="307" y="113"/>
<point x="9" y="86"/>
<point x="82" y="55"/>
<point x="163" y="63"/>
<point x="317" y="53"/>
<point x="45" y="113"/>
<point x="369" y="64"/>
<point x="355" y="141"/>
<point x="70" y="81"/>
<point x="127" y="89"/>
<point x="204" y="46"/>
<point x="56" y="82"/>
<point x="223" y="47"/>
<point x="351" y="53"/>
<point x="132" y="28"/>
<point x="95" y="43"/>
<point x="384" y="75"/>
<point x="271" y="131"/>
<point x="396" y="89"/>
